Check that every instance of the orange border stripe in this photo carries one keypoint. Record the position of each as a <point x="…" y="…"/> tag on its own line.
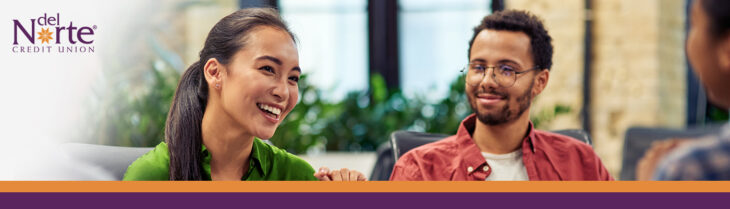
<point x="279" y="186"/>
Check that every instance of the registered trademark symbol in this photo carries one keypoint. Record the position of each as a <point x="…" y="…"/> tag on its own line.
<point x="94" y="27"/>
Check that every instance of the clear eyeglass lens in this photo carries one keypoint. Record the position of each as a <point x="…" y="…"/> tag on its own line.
<point x="504" y="75"/>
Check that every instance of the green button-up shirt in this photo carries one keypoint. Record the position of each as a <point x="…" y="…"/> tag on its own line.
<point x="267" y="163"/>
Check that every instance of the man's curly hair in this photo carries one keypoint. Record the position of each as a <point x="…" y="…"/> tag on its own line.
<point x="521" y="21"/>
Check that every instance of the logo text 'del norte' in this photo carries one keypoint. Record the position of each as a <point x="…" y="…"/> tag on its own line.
<point x="43" y="34"/>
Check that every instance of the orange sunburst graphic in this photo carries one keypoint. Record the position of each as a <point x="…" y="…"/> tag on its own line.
<point x="45" y="35"/>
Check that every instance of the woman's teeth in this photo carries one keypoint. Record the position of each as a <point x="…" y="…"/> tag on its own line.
<point x="270" y="109"/>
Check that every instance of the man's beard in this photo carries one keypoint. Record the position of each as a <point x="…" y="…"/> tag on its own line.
<point x="504" y="115"/>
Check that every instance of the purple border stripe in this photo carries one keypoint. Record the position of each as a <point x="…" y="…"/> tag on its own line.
<point x="366" y="200"/>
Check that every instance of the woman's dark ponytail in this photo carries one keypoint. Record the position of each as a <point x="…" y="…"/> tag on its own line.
<point x="183" y="133"/>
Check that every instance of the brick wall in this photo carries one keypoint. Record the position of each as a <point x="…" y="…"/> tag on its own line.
<point x="638" y="76"/>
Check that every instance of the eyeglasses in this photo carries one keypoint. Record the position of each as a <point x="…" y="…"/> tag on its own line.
<point x="503" y="74"/>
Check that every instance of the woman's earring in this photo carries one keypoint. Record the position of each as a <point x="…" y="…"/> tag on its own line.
<point x="217" y="85"/>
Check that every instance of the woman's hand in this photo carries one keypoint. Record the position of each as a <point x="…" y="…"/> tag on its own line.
<point x="344" y="174"/>
<point x="659" y="149"/>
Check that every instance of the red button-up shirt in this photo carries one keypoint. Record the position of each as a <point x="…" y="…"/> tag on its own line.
<point x="546" y="155"/>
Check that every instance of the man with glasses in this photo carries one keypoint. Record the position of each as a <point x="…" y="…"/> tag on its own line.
<point x="510" y="55"/>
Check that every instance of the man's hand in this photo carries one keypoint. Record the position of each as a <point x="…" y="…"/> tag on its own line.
<point x="344" y="174"/>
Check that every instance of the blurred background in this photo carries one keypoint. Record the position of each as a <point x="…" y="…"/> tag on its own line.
<point x="372" y="67"/>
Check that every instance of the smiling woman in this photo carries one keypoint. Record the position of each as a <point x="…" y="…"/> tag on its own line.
<point x="240" y="90"/>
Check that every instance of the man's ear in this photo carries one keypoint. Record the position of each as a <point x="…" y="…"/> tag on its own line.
<point x="541" y="81"/>
<point x="723" y="53"/>
<point x="213" y="71"/>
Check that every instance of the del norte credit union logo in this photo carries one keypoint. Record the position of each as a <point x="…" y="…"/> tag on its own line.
<point x="48" y="34"/>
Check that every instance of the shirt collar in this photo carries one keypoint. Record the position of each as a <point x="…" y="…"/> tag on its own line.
<point x="471" y="154"/>
<point x="257" y="157"/>
<point x="725" y="131"/>
<point x="466" y="129"/>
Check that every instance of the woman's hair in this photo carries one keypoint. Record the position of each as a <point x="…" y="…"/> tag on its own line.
<point x="183" y="132"/>
<point x="719" y="13"/>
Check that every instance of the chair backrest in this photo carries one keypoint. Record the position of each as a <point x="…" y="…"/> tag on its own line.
<point x="638" y="140"/>
<point x="403" y="141"/>
<point x="113" y="160"/>
<point x="578" y="134"/>
<point x="384" y="163"/>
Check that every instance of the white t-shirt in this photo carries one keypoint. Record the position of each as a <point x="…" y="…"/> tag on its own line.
<point x="506" y="167"/>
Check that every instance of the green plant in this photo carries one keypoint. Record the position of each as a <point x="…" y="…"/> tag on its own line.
<point x="136" y="117"/>
<point x="360" y="122"/>
<point x="545" y="116"/>
<point x="365" y="119"/>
